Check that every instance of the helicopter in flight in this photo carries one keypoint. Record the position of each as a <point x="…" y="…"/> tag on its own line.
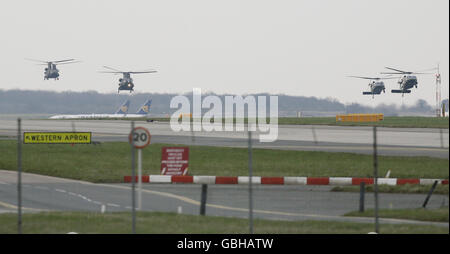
<point x="126" y="82"/>
<point x="376" y="85"/>
<point x="407" y="81"/>
<point x="51" y="72"/>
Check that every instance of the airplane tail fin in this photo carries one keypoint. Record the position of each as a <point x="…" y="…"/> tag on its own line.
<point x="145" y="108"/>
<point x="124" y="108"/>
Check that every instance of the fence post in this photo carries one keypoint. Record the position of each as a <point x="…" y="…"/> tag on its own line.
<point x="19" y="176"/>
<point x="362" y="190"/>
<point x="203" y="199"/>
<point x="375" y="169"/>
<point x="250" y="179"/>
<point x="192" y="129"/>
<point x="133" y="198"/>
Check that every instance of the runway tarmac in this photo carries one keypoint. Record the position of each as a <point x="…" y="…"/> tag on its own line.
<point x="43" y="193"/>
<point x="391" y="141"/>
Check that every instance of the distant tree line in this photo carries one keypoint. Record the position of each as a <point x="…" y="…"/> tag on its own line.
<point x="46" y="102"/>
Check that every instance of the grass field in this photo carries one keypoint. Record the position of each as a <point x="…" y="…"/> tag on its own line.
<point x="389" y="121"/>
<point x="170" y="223"/>
<point x="110" y="161"/>
<point x="421" y="214"/>
<point x="407" y="188"/>
<point x="405" y="122"/>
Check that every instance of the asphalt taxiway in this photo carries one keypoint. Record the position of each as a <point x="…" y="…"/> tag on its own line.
<point x="391" y="141"/>
<point x="44" y="193"/>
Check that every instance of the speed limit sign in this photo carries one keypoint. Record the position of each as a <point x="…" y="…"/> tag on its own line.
<point x="141" y="137"/>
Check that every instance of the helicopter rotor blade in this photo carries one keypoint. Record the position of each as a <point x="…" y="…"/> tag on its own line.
<point x="389" y="78"/>
<point x="364" y="77"/>
<point x="422" y="73"/>
<point x="140" y="72"/>
<point x="61" y="61"/>
<point x="394" y="73"/>
<point x="35" y="60"/>
<point x="373" y="78"/>
<point x="146" y="70"/>
<point x="116" y="70"/>
<point x="392" y="69"/>
<point x="69" y="62"/>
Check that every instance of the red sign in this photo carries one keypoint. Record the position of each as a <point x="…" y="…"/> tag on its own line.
<point x="174" y="160"/>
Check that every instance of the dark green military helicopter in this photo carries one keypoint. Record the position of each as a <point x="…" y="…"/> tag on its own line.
<point x="51" y="72"/>
<point x="126" y="82"/>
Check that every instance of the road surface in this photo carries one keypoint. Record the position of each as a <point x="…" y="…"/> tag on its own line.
<point x="43" y="193"/>
<point x="391" y="141"/>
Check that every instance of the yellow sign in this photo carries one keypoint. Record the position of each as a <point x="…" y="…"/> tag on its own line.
<point x="359" y="118"/>
<point x="57" y="137"/>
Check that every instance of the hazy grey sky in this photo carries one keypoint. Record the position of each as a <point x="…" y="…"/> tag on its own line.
<point x="232" y="46"/>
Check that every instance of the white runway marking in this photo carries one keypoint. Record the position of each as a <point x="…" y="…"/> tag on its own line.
<point x="79" y="195"/>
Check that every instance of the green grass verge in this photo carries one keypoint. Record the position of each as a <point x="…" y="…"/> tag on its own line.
<point x="421" y="214"/>
<point x="407" y="188"/>
<point x="110" y="161"/>
<point x="404" y="122"/>
<point x="390" y="121"/>
<point x="170" y="223"/>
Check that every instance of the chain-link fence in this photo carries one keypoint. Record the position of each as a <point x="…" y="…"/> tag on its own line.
<point x="308" y="181"/>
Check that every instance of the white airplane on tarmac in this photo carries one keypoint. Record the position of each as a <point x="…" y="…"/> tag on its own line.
<point x="122" y="112"/>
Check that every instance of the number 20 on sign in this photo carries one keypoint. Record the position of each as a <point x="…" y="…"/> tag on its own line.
<point x="141" y="137"/>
